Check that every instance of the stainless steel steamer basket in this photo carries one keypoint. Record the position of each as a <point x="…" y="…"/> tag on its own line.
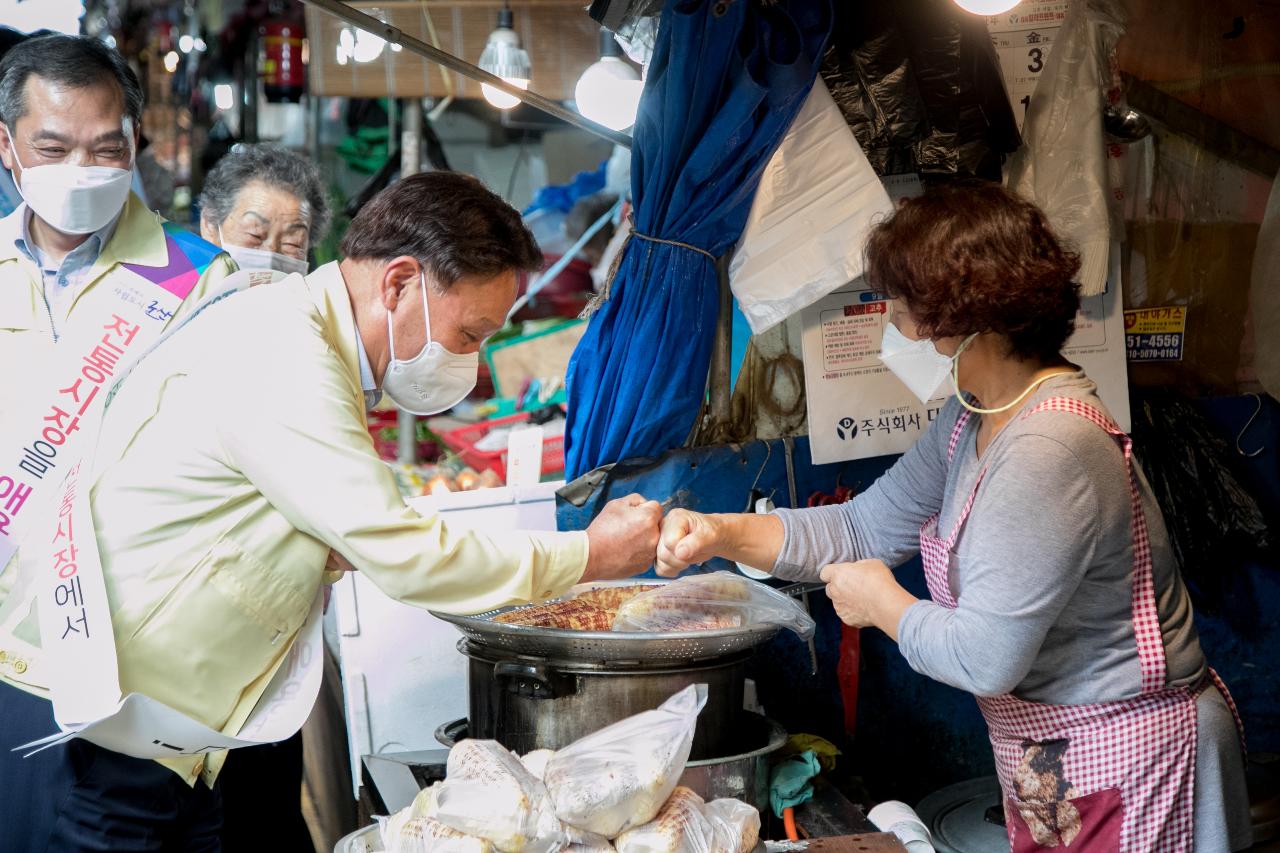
<point x="608" y="646"/>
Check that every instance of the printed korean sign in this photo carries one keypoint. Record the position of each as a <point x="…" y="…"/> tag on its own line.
<point x="857" y="408"/>
<point x="1155" y="334"/>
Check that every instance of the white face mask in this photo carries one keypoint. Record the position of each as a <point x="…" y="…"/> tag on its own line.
<point x="262" y="259"/>
<point x="917" y="364"/>
<point x="435" y="379"/>
<point x="74" y="199"/>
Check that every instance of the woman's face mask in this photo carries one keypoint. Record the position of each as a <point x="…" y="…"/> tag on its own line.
<point x="262" y="259"/>
<point x="917" y="364"/>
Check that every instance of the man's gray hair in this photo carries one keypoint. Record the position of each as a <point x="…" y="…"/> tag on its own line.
<point x="73" y="62"/>
<point x="274" y="166"/>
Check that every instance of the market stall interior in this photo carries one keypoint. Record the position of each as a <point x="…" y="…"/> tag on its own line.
<point x="826" y="282"/>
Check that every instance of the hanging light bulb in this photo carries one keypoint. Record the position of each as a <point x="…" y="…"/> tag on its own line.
<point x="608" y="92"/>
<point x="503" y="57"/>
<point x="358" y="45"/>
<point x="224" y="97"/>
<point x="987" y="7"/>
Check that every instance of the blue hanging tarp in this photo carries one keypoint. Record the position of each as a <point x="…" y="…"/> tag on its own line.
<point x="726" y="80"/>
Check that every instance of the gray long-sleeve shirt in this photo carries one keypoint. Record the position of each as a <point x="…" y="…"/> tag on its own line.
<point x="1041" y="574"/>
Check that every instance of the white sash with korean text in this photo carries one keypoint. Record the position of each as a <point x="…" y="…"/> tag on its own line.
<point x="79" y="662"/>
<point x="113" y="324"/>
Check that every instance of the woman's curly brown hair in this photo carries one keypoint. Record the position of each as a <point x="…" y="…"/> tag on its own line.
<point x="974" y="257"/>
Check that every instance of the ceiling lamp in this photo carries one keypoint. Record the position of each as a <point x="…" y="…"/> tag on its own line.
<point x="608" y="92"/>
<point x="503" y="57"/>
<point x="358" y="45"/>
<point x="987" y="7"/>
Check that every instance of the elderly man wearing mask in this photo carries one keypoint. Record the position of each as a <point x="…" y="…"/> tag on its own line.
<point x="80" y="254"/>
<point x="266" y="207"/>
<point x="230" y="462"/>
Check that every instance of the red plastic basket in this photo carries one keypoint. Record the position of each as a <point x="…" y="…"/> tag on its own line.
<point x="463" y="442"/>
<point x="388" y="448"/>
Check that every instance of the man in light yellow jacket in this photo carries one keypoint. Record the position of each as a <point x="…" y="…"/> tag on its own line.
<point x="70" y="109"/>
<point x="237" y="455"/>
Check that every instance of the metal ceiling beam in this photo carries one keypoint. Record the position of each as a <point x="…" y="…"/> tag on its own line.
<point x="1213" y="134"/>
<point x="396" y="36"/>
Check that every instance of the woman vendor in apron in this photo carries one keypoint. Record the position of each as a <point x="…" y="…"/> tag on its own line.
<point x="1055" y="595"/>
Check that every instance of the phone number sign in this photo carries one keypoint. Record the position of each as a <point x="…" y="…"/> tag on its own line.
<point x="1155" y="334"/>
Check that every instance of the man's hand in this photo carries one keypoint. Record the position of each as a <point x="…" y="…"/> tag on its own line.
<point x="866" y="594"/>
<point x="622" y="539"/>
<point x="338" y="563"/>
<point x="335" y="563"/>
<point x="687" y="538"/>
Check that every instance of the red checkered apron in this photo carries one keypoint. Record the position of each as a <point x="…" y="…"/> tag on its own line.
<point x="1107" y="776"/>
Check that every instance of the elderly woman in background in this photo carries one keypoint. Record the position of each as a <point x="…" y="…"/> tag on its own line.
<point x="265" y="206"/>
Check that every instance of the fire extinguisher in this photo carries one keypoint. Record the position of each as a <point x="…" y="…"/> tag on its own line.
<point x="280" y="65"/>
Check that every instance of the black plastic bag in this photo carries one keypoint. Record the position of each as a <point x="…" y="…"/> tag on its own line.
<point x="1214" y="523"/>
<point x="919" y="83"/>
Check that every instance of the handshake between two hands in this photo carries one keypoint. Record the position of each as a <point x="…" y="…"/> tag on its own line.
<point x="631" y="533"/>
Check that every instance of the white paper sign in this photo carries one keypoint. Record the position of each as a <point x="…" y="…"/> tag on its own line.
<point x="902" y="186"/>
<point x="524" y="457"/>
<point x="858" y="409"/>
<point x="1023" y="38"/>
<point x="1098" y="344"/>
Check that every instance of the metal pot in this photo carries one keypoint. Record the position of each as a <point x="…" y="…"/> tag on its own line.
<point x="528" y="702"/>
<point x="743" y="775"/>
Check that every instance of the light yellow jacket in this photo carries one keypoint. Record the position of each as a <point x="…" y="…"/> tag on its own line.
<point x="26" y="330"/>
<point x="27" y="339"/>
<point x="231" y="461"/>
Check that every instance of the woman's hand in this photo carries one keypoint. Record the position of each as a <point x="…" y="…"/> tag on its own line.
<point x="865" y="594"/>
<point x="687" y="538"/>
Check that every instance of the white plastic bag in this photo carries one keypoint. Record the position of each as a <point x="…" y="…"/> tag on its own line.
<point x="816" y="202"/>
<point x="735" y="825"/>
<point x="1062" y="165"/>
<point x="536" y="762"/>
<point x="620" y="776"/>
<point x="687" y="824"/>
<point x="588" y="843"/>
<point x="423" y="806"/>
<point x="710" y="601"/>
<point x="424" y="835"/>
<point x="681" y="826"/>
<point x="488" y="793"/>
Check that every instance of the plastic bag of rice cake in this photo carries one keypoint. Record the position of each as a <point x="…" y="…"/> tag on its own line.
<point x="681" y="826"/>
<point x="735" y="825"/>
<point x="423" y="805"/>
<point x="585" y="842"/>
<point x="424" y="835"/>
<point x="488" y="793"/>
<point x="536" y="762"/>
<point x="686" y="824"/>
<point x="711" y="601"/>
<point x="620" y="776"/>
